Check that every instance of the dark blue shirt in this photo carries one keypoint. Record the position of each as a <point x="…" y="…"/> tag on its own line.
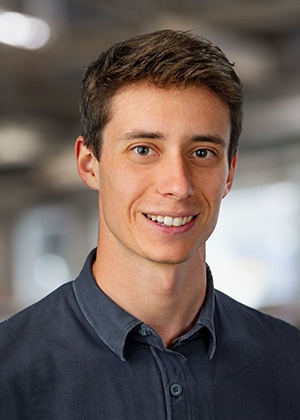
<point x="77" y="355"/>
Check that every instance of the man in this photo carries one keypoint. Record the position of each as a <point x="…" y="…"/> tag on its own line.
<point x="141" y="333"/>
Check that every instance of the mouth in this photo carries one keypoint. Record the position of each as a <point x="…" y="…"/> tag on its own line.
<point x="170" y="220"/>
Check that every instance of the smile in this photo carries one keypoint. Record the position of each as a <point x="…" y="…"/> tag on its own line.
<point x="169" y="220"/>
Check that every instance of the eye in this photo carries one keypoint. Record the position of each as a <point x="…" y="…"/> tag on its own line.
<point x="143" y="150"/>
<point x="203" y="153"/>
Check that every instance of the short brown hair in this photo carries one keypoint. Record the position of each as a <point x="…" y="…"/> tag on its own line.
<point x="165" y="59"/>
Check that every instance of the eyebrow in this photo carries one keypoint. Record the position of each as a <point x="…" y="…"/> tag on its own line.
<point x="209" y="138"/>
<point x="141" y="134"/>
<point x="200" y="138"/>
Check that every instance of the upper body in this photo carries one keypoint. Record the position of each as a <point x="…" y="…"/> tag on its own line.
<point x="161" y="119"/>
<point x="78" y="355"/>
<point x="163" y="171"/>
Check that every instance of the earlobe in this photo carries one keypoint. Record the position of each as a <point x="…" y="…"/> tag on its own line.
<point x="230" y="176"/>
<point x="86" y="164"/>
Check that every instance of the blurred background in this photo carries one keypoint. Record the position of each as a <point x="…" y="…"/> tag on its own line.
<point x="48" y="218"/>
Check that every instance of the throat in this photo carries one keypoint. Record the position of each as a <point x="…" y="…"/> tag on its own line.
<point x="172" y="306"/>
<point x="173" y="319"/>
<point x="167" y="297"/>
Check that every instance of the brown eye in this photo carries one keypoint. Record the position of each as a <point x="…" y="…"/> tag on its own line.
<point x="201" y="153"/>
<point x="142" y="150"/>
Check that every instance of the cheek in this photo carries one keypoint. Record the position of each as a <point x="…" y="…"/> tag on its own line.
<point x="215" y="186"/>
<point x="119" y="189"/>
<point x="213" y="198"/>
<point x="224" y="183"/>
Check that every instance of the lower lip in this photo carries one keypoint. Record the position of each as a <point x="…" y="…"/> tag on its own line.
<point x="172" y="229"/>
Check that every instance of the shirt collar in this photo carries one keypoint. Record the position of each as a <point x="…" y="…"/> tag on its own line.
<point x="113" y="324"/>
<point x="206" y="316"/>
<point x="109" y="320"/>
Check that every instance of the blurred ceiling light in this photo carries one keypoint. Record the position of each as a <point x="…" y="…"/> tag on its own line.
<point x="18" y="145"/>
<point x="23" y="31"/>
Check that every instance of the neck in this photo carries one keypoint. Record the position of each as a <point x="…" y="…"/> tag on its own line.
<point x="168" y="297"/>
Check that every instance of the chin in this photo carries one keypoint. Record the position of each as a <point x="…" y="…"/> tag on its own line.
<point x="171" y="259"/>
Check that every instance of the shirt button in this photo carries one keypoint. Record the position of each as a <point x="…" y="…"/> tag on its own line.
<point x="176" y="390"/>
<point x="144" y="331"/>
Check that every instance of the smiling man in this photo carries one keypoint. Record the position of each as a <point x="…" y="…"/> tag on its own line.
<point x="142" y="333"/>
<point x="161" y="177"/>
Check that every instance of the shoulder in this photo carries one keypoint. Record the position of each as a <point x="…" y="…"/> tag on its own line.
<point x="38" y="339"/>
<point x="256" y="326"/>
<point x="260" y="355"/>
<point x="34" y="320"/>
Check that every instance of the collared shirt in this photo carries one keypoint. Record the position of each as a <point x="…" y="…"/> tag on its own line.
<point x="78" y="355"/>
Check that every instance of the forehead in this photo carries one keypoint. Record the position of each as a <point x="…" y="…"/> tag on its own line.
<point x="138" y="92"/>
<point x="170" y="110"/>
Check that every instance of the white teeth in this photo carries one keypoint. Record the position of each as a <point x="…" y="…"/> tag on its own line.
<point x="169" y="220"/>
<point x="177" y="221"/>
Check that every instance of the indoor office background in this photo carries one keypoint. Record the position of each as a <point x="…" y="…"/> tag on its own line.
<point x="48" y="219"/>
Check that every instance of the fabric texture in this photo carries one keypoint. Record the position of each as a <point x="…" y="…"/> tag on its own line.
<point x="78" y="355"/>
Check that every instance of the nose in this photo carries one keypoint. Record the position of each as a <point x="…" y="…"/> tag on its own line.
<point x="174" y="179"/>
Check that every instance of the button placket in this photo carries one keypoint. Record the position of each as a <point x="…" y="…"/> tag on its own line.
<point x="171" y="366"/>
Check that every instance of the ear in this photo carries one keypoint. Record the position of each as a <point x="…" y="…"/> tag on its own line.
<point x="230" y="176"/>
<point x="87" y="164"/>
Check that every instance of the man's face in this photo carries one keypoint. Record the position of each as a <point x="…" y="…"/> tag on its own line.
<point x="163" y="172"/>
